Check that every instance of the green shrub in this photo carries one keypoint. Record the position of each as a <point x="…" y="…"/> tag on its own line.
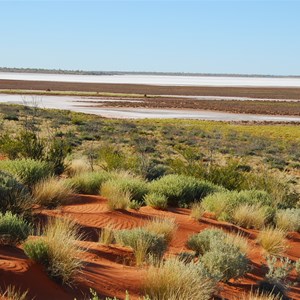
<point x="136" y="186"/>
<point x="288" y="219"/>
<point x="38" y="251"/>
<point x="143" y="243"/>
<point x="225" y="261"/>
<point x="182" y="190"/>
<point x="28" y="171"/>
<point x="14" y="196"/>
<point x="13" y="229"/>
<point x="89" y="182"/>
<point x="223" y="204"/>
<point x="175" y="279"/>
<point x="156" y="200"/>
<point x="202" y="242"/>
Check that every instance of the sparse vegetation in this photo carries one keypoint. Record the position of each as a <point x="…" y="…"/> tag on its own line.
<point x="288" y="219"/>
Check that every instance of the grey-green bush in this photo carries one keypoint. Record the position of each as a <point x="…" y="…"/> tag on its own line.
<point x="225" y="261"/>
<point x="14" y="196"/>
<point x="202" y="241"/>
<point x="27" y="171"/>
<point x="156" y="200"/>
<point x="13" y="229"/>
<point x="89" y="182"/>
<point x="182" y="190"/>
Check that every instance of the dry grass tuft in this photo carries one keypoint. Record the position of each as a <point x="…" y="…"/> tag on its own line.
<point x="107" y="235"/>
<point x="12" y="293"/>
<point x="161" y="226"/>
<point x="116" y="198"/>
<point x="197" y="211"/>
<point x="250" y="216"/>
<point x="258" y="296"/>
<point x="52" y="192"/>
<point x="78" y="166"/>
<point x="272" y="240"/>
<point x="239" y="241"/>
<point x="174" y="279"/>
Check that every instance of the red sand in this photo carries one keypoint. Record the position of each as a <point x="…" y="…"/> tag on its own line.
<point x="109" y="269"/>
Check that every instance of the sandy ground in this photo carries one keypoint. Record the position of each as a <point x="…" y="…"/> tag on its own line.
<point x="109" y="269"/>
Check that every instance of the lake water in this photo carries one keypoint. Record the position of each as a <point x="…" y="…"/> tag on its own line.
<point x="87" y="105"/>
<point x="159" y="79"/>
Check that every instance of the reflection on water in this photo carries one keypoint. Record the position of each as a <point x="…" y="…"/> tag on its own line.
<point x="87" y="105"/>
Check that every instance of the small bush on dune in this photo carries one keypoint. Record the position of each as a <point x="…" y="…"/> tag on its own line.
<point x="225" y="261"/>
<point x="162" y="226"/>
<point x="89" y="183"/>
<point x="77" y="167"/>
<point x="272" y="240"/>
<point x="137" y="187"/>
<point x="288" y="219"/>
<point x="175" y="279"/>
<point x="12" y="293"/>
<point x="13" y="229"/>
<point x="57" y="250"/>
<point x="239" y="241"/>
<point x="202" y="242"/>
<point x="182" y="190"/>
<point x="197" y="211"/>
<point x="224" y="204"/>
<point x="143" y="243"/>
<point x="52" y="192"/>
<point x="156" y="200"/>
<point x="116" y="197"/>
<point x="28" y="171"/>
<point x="14" y="196"/>
<point x="250" y="216"/>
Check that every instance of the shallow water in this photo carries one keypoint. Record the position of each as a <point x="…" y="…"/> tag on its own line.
<point x="159" y="79"/>
<point x="87" y="105"/>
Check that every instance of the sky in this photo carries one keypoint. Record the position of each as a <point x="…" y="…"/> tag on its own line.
<point x="237" y="37"/>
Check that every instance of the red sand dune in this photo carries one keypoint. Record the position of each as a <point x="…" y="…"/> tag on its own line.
<point x="108" y="269"/>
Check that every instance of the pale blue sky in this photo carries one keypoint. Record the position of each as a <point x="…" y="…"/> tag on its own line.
<point x="250" y="37"/>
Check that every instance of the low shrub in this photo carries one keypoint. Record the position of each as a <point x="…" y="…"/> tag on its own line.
<point x="157" y="201"/>
<point x="223" y="204"/>
<point x="137" y="187"/>
<point x="52" y="192"/>
<point x="27" y="171"/>
<point x="225" y="261"/>
<point x="197" y="211"/>
<point x="143" y="243"/>
<point x="15" y="197"/>
<point x="57" y="250"/>
<point x="182" y="190"/>
<point x="90" y="182"/>
<point x="288" y="219"/>
<point x="162" y="226"/>
<point x="272" y="240"/>
<point x="250" y="216"/>
<point x="239" y="241"/>
<point x="202" y="242"/>
<point x="13" y="229"/>
<point x="175" y="279"/>
<point x="116" y="197"/>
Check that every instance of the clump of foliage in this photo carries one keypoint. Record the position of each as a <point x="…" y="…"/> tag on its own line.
<point x="14" y="196"/>
<point x="52" y="192"/>
<point x="182" y="190"/>
<point x="288" y="219"/>
<point x="143" y="242"/>
<point x="157" y="201"/>
<point x="89" y="182"/>
<point x="57" y="250"/>
<point x="13" y="229"/>
<point x="175" y="279"/>
<point x="197" y="210"/>
<point x="27" y="171"/>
